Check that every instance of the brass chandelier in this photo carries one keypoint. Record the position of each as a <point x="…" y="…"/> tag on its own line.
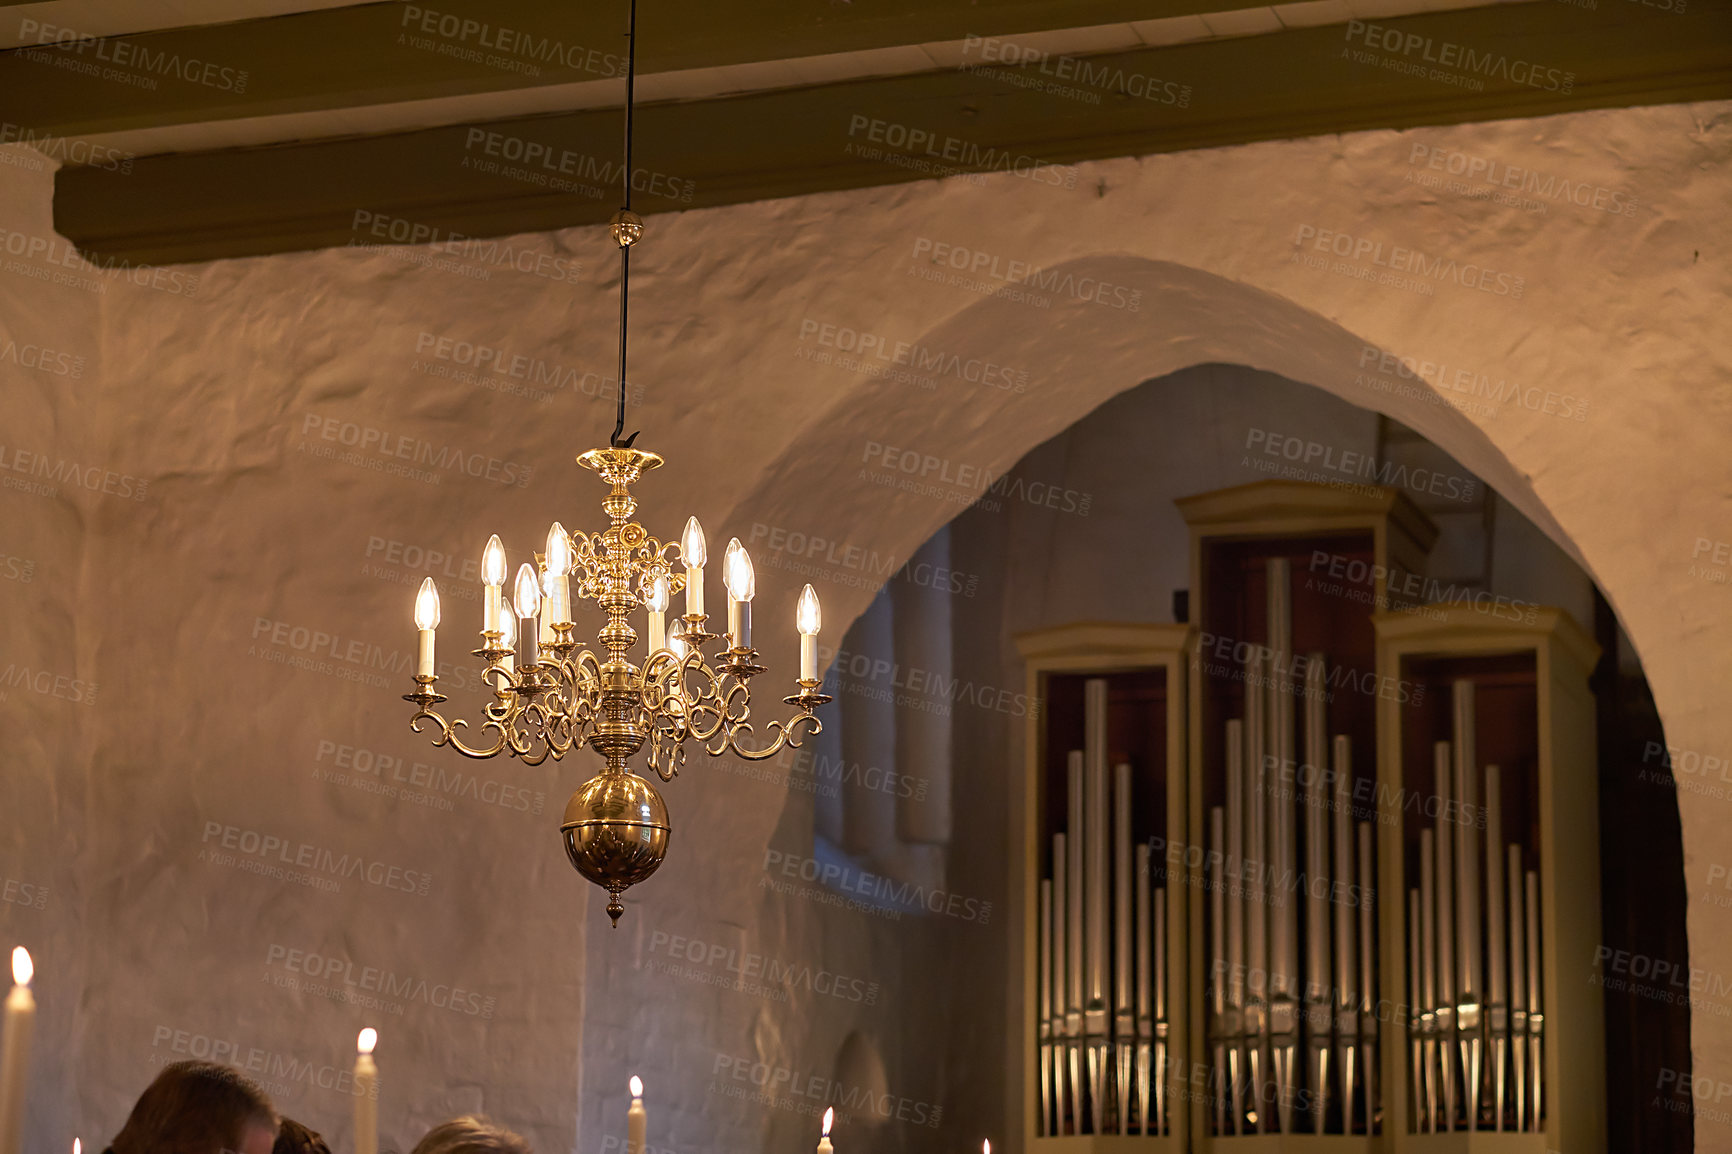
<point x="550" y="696"/>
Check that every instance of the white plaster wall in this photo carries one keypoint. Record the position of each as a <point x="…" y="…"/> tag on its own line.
<point x="210" y="397"/>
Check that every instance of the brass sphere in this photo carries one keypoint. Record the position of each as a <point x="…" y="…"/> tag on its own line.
<point x="616" y="832"/>
<point x="627" y="228"/>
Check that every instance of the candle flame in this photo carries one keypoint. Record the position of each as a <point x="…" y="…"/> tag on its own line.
<point x="636" y="1086"/>
<point x="368" y="1039"/>
<point x="986" y="1146"/>
<point x="23" y="969"/>
<point x="829" y="1116"/>
<point x="77" y="1146"/>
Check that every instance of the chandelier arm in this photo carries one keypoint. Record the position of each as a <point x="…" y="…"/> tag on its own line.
<point x="448" y="735"/>
<point x="788" y="734"/>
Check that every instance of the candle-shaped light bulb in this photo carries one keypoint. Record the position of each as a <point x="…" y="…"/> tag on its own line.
<point x="366" y="1083"/>
<point x="527" y="593"/>
<point x="77" y="1147"/>
<point x="23" y="969"/>
<point x="426" y="620"/>
<point x="656" y="601"/>
<point x="694" y="552"/>
<point x="737" y="572"/>
<point x="528" y="604"/>
<point x="493" y="562"/>
<point x="824" y="1146"/>
<point x="558" y="581"/>
<point x="427" y="605"/>
<point x="741" y="582"/>
<point x="558" y="550"/>
<point x="986" y="1146"/>
<point x="493" y="581"/>
<point x="808" y="618"/>
<point x="676" y="640"/>
<point x="635" y="1119"/>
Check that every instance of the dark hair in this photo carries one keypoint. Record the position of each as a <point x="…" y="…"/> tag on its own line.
<point x="294" y="1138"/>
<point x="195" y="1108"/>
<point x="471" y="1134"/>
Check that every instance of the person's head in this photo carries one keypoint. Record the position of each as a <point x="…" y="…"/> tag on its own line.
<point x="469" y="1134"/>
<point x="294" y="1138"/>
<point x="199" y="1108"/>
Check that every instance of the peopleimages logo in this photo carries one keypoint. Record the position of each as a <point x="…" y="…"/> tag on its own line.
<point x="965" y="155"/>
<point x="264" y="853"/>
<point x="342" y="970"/>
<point x="1448" y="54"/>
<point x="1501" y="391"/>
<point x="750" y="966"/>
<point x="1401" y="259"/>
<point x="910" y="897"/>
<point x="126" y="54"/>
<point x="374" y="448"/>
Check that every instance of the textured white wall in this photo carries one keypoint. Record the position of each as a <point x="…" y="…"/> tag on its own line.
<point x="220" y="400"/>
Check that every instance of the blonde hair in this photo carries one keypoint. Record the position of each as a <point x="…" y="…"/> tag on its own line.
<point x="472" y="1134"/>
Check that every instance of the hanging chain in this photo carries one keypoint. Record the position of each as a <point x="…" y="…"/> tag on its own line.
<point x="627" y="228"/>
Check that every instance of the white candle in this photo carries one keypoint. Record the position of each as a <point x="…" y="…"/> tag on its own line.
<point x="656" y="601"/>
<point x="366" y="1083"/>
<point x="527" y="598"/>
<point x="549" y="605"/>
<point x="15" y="1052"/>
<point x="742" y="584"/>
<point x="635" y="1119"/>
<point x="809" y="619"/>
<point x="694" y="553"/>
<point x="559" y="568"/>
<point x="493" y="575"/>
<point x="426" y="621"/>
<point x="824" y="1146"/>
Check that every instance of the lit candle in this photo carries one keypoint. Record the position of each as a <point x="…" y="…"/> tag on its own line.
<point x="657" y="603"/>
<point x="548" y="606"/>
<point x="527" y="596"/>
<point x="635" y="1118"/>
<point x="694" y="553"/>
<point x="508" y="640"/>
<point x="742" y="584"/>
<point x="426" y="621"/>
<point x="15" y="1052"/>
<point x="366" y="1105"/>
<point x="559" y="563"/>
<point x="824" y="1146"/>
<point x="809" y="620"/>
<point x="493" y="576"/>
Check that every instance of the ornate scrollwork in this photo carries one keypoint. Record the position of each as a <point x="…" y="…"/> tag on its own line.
<point x="600" y="698"/>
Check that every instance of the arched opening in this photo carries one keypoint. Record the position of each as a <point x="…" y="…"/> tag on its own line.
<point x="930" y="720"/>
